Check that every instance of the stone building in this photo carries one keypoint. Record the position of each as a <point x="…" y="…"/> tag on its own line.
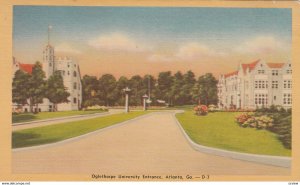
<point x="255" y="85"/>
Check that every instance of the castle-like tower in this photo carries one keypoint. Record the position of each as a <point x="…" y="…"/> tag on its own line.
<point x="48" y="57"/>
<point x="69" y="70"/>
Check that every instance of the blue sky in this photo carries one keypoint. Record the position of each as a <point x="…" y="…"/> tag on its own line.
<point x="217" y="28"/>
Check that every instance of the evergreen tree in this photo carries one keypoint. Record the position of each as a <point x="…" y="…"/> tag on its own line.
<point x="164" y="84"/>
<point x="177" y="93"/>
<point x="122" y="83"/>
<point x="56" y="91"/>
<point x="20" y="87"/>
<point x="208" y="91"/>
<point x="37" y="86"/>
<point x="137" y="86"/>
<point x="188" y="84"/>
<point x="107" y="91"/>
<point x="89" y="89"/>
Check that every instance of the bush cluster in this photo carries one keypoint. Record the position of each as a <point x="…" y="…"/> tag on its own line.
<point x="250" y="120"/>
<point x="201" y="110"/>
<point x="276" y="119"/>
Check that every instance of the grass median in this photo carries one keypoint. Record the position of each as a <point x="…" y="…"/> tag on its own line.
<point x="24" y="117"/>
<point x="219" y="130"/>
<point x="62" y="131"/>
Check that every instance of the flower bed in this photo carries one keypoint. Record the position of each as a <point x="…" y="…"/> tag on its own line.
<point x="250" y="120"/>
<point x="201" y="110"/>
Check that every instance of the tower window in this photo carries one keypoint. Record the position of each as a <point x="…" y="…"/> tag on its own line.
<point x="75" y="85"/>
<point x="74" y="74"/>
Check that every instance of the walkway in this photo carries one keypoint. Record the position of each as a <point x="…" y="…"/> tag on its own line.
<point x="43" y="122"/>
<point x="151" y="145"/>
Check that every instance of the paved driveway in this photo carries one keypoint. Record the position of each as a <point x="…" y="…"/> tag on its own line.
<point x="151" y="145"/>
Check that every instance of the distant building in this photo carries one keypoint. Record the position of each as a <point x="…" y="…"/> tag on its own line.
<point x="255" y="85"/>
<point x="70" y="72"/>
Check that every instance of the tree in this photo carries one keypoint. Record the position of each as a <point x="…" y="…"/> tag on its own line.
<point x="20" y="87"/>
<point x="137" y="86"/>
<point x="107" y="92"/>
<point x="208" y="89"/>
<point x="189" y="82"/>
<point x="164" y="84"/>
<point x="176" y="89"/>
<point x="89" y="89"/>
<point x="37" y="86"/>
<point x="122" y="83"/>
<point x="56" y="91"/>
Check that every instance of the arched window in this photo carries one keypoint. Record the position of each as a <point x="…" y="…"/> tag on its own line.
<point x="74" y="74"/>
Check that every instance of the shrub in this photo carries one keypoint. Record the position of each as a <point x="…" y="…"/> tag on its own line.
<point x="212" y="108"/>
<point x="250" y="120"/>
<point x="201" y="110"/>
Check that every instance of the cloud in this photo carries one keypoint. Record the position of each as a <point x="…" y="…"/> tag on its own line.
<point x="116" y="41"/>
<point x="66" y="48"/>
<point x="193" y="50"/>
<point x="188" y="51"/>
<point x="262" y="45"/>
<point x="160" y="58"/>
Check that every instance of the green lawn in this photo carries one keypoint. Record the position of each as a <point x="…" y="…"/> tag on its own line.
<point x="219" y="130"/>
<point x="62" y="131"/>
<point x="24" y="117"/>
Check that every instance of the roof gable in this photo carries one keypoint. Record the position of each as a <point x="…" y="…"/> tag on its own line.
<point x="26" y="67"/>
<point x="231" y="74"/>
<point x="275" y="65"/>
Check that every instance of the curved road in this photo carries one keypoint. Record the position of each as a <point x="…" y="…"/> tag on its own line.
<point x="151" y="145"/>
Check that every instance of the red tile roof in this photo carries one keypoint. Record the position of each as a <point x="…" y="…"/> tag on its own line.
<point x="26" y="67"/>
<point x="231" y="74"/>
<point x="251" y="66"/>
<point x="275" y="65"/>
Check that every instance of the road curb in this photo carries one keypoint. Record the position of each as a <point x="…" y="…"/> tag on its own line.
<point x="262" y="159"/>
<point x="73" y="139"/>
<point x="59" y="118"/>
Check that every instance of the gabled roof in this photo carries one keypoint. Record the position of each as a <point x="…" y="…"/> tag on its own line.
<point x="231" y="74"/>
<point x="26" y="67"/>
<point x="275" y="65"/>
<point x="251" y="66"/>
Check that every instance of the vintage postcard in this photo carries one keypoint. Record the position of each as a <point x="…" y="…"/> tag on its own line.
<point x="187" y="91"/>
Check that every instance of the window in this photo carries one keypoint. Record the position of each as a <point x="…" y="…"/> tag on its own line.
<point x="274" y="97"/>
<point x="50" y="64"/>
<point x="74" y="65"/>
<point x="287" y="99"/>
<point x="289" y="71"/>
<point x="75" y="85"/>
<point x="74" y="100"/>
<point x="261" y="99"/>
<point x="68" y="65"/>
<point x="260" y="84"/>
<point x="74" y="74"/>
<point x="274" y="84"/>
<point x="275" y="72"/>
<point x="68" y="72"/>
<point x="261" y="71"/>
<point x="287" y="84"/>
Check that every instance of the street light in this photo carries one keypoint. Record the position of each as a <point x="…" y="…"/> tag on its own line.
<point x="127" y="91"/>
<point x="144" y="100"/>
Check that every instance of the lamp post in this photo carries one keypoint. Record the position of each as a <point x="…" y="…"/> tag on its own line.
<point x="127" y="91"/>
<point x="144" y="101"/>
